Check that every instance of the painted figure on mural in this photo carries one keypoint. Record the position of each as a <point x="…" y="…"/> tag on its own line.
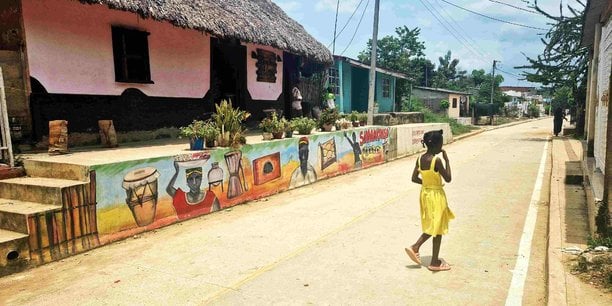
<point x="559" y="116"/>
<point x="356" y="149"/>
<point x="305" y="174"/>
<point x="194" y="202"/>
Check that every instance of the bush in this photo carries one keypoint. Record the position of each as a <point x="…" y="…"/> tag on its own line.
<point x="328" y="116"/>
<point x="303" y="125"/>
<point x="533" y="111"/>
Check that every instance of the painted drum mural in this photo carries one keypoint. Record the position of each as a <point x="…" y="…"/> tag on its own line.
<point x="135" y="196"/>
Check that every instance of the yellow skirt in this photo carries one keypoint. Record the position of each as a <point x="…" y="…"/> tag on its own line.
<point x="435" y="213"/>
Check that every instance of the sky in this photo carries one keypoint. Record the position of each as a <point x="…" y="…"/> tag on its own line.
<point x="475" y="40"/>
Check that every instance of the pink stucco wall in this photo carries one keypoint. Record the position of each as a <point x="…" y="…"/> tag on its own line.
<point x="70" y="51"/>
<point x="263" y="90"/>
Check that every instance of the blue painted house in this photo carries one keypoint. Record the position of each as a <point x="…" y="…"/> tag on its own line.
<point x="349" y="79"/>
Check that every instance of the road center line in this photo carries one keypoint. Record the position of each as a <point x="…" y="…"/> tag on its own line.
<point x="519" y="274"/>
<point x="304" y="248"/>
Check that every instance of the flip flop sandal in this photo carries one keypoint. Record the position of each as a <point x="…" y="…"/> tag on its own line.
<point x="442" y="267"/>
<point x="414" y="256"/>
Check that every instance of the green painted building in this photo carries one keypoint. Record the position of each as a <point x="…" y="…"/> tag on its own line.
<point x="349" y="79"/>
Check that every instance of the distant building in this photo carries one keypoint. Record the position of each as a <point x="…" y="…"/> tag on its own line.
<point x="349" y="78"/>
<point x="458" y="101"/>
<point x="521" y="97"/>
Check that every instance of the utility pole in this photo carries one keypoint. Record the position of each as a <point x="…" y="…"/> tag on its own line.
<point x="492" y="90"/>
<point x="335" y="27"/>
<point x="372" y="89"/>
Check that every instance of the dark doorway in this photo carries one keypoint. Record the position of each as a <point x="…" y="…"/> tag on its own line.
<point x="228" y="72"/>
<point x="291" y="76"/>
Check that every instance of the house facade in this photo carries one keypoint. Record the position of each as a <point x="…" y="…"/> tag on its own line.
<point x="597" y="164"/>
<point x="458" y="102"/>
<point x="349" y="79"/>
<point x="149" y="64"/>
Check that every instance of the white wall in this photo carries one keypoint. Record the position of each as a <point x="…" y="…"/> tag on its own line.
<point x="603" y="83"/>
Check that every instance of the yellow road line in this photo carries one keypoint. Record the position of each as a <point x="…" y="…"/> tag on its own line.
<point x="302" y="249"/>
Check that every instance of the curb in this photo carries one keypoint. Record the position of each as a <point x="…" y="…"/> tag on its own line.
<point x="495" y="127"/>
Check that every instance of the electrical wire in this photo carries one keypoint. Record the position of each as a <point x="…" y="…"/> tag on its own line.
<point x="459" y="30"/>
<point x="345" y="24"/>
<point x="448" y="30"/>
<point x="516" y="7"/>
<point x="493" y="18"/>
<point x="357" y="28"/>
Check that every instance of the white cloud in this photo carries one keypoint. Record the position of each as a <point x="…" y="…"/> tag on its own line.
<point x="289" y="6"/>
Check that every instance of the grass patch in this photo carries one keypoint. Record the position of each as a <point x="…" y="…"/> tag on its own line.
<point x="431" y="117"/>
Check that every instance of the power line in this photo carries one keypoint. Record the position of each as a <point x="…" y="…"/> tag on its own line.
<point x="448" y="30"/>
<point x="345" y="24"/>
<point x="357" y="28"/>
<point x="462" y="32"/>
<point x="508" y="73"/>
<point x="493" y="18"/>
<point x="516" y="7"/>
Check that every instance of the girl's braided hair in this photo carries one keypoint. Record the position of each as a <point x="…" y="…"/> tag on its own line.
<point x="432" y="138"/>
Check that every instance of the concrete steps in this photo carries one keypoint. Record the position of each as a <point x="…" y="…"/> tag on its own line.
<point x="55" y="170"/>
<point x="36" y="189"/>
<point x="14" y="251"/>
<point x="48" y="215"/>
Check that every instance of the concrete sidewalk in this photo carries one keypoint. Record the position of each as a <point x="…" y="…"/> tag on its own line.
<point x="568" y="227"/>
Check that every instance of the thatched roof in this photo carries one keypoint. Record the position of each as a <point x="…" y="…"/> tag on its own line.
<point x="253" y="21"/>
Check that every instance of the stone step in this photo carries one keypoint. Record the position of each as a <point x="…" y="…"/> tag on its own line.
<point x="36" y="189"/>
<point x="14" y="214"/>
<point x="48" y="169"/>
<point x="573" y="173"/>
<point x="14" y="252"/>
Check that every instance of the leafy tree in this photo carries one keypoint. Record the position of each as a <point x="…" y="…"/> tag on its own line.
<point x="447" y="73"/>
<point x="402" y="52"/>
<point x="564" y="60"/>
<point x="482" y="96"/>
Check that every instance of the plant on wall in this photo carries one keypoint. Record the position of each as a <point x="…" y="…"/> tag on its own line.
<point x="328" y="119"/>
<point x="229" y="122"/>
<point x="303" y="125"/>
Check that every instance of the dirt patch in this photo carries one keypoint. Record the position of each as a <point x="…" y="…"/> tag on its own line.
<point x="594" y="268"/>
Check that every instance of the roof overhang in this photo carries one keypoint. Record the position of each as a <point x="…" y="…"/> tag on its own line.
<point x="596" y="11"/>
<point x="357" y="63"/>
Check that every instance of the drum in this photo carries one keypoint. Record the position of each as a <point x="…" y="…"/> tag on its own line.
<point x="141" y="189"/>
<point x="58" y="136"/>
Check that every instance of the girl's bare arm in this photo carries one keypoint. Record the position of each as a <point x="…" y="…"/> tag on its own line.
<point x="444" y="171"/>
<point x="415" y="174"/>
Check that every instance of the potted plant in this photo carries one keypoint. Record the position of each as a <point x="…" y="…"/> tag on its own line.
<point x="195" y="132"/>
<point x="266" y="128"/>
<point x="210" y="133"/>
<point x="289" y="128"/>
<point x="328" y="119"/>
<point x="354" y="118"/>
<point x="363" y="118"/>
<point x="303" y="125"/>
<point x="229" y="122"/>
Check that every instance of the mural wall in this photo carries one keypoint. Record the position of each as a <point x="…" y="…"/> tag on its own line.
<point x="137" y="196"/>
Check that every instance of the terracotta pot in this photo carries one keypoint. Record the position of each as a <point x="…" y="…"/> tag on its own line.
<point x="278" y="135"/>
<point x="328" y="127"/>
<point x="266" y="136"/>
<point x="210" y="143"/>
<point x="362" y="123"/>
<point x="355" y="123"/>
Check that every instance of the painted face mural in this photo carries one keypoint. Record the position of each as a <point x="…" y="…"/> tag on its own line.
<point x="305" y="173"/>
<point x="195" y="202"/>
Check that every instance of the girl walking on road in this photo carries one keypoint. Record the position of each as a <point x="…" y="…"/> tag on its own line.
<point x="435" y="214"/>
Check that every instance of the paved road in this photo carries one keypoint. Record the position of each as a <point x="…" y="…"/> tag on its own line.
<point x="339" y="241"/>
